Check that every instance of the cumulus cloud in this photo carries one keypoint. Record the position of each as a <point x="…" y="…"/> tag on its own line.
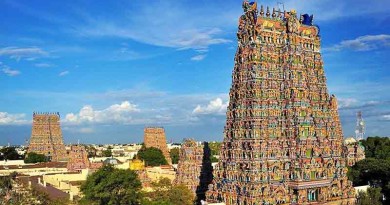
<point x="63" y="73"/>
<point x="8" y="71"/>
<point x="198" y="57"/>
<point x="12" y="119"/>
<point x="362" y="43"/>
<point x="117" y="113"/>
<point x="216" y="106"/>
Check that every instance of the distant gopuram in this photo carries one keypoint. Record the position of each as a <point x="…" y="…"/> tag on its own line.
<point x="283" y="142"/>
<point x="155" y="137"/>
<point x="194" y="169"/>
<point x="46" y="137"/>
<point x="78" y="158"/>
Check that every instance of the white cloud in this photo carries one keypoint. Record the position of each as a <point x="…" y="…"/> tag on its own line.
<point x="346" y="102"/>
<point x="362" y="43"/>
<point x="168" y="24"/>
<point x="198" y="57"/>
<point x="43" y="65"/>
<point x="19" y="53"/>
<point x="63" y="73"/>
<point x="86" y="130"/>
<point x="117" y="113"/>
<point x="12" y="119"/>
<point x="216" y="106"/>
<point x="8" y="71"/>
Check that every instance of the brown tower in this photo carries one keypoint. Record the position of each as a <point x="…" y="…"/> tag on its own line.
<point x="283" y="139"/>
<point x="46" y="136"/>
<point x="155" y="137"/>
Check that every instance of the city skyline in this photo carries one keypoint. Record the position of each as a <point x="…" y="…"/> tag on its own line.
<point x="169" y="64"/>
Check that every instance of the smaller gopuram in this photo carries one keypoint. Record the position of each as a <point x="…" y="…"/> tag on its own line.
<point x="194" y="169"/>
<point x="78" y="158"/>
<point x="46" y="136"/>
<point x="155" y="137"/>
<point x="354" y="151"/>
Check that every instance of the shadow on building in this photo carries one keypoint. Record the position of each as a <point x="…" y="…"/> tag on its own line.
<point x="206" y="174"/>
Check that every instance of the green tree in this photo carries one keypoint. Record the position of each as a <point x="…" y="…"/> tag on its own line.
<point x="91" y="150"/>
<point x="377" y="147"/>
<point x="373" y="196"/>
<point x="107" y="153"/>
<point x="166" y="193"/>
<point x="373" y="170"/>
<point x="215" y="147"/>
<point x="33" y="157"/>
<point x="152" y="156"/>
<point x="213" y="159"/>
<point x="174" y="153"/>
<point x="9" y="153"/>
<point x="110" y="186"/>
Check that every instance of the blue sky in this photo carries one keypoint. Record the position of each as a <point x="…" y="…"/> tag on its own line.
<point x="113" y="67"/>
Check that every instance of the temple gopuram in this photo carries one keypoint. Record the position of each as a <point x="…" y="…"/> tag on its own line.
<point x="155" y="137"/>
<point x="283" y="142"/>
<point x="194" y="169"/>
<point x="46" y="137"/>
<point x="78" y="160"/>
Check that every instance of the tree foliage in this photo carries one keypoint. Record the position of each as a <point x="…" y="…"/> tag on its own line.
<point x="377" y="147"/>
<point x="152" y="156"/>
<point x="215" y="147"/>
<point x="174" y="153"/>
<point x="373" y="196"/>
<point x="167" y="194"/>
<point x="107" y="153"/>
<point x="375" y="169"/>
<point x="9" y="153"/>
<point x="33" y="157"/>
<point x="110" y="186"/>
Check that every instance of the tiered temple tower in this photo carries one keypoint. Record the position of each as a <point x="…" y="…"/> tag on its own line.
<point x="46" y="136"/>
<point x="155" y="137"/>
<point x="283" y="139"/>
<point x="78" y="158"/>
<point x="194" y="169"/>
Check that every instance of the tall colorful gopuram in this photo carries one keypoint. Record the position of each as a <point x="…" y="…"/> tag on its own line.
<point x="155" y="137"/>
<point x="283" y="139"/>
<point x="194" y="169"/>
<point x="46" y="136"/>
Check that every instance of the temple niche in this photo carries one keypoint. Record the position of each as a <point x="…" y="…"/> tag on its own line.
<point x="194" y="169"/>
<point x="283" y="142"/>
<point x="155" y="137"/>
<point x="46" y="137"/>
